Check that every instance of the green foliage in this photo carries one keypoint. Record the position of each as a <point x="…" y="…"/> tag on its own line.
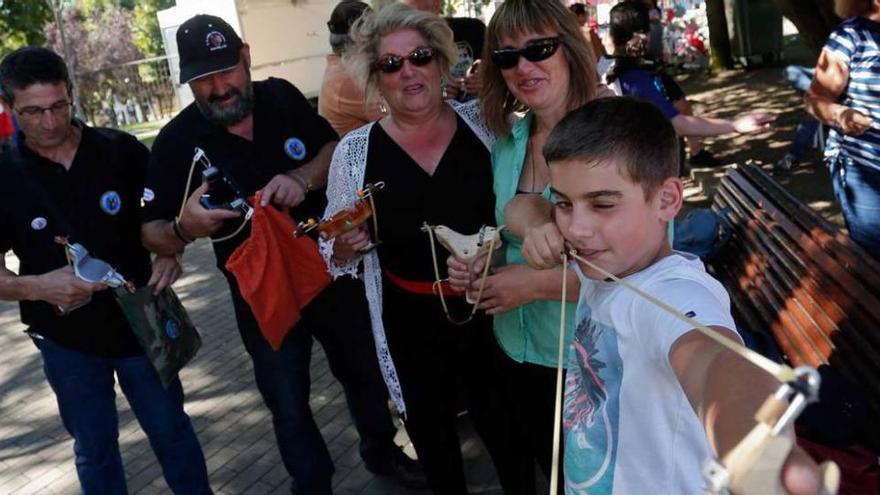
<point x="145" y="30"/>
<point x="22" y="22"/>
<point x="102" y="5"/>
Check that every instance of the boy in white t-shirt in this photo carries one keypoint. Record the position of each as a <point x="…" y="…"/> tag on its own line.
<point x="647" y="398"/>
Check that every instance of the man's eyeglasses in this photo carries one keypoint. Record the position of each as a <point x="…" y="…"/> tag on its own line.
<point x="534" y="51"/>
<point x="419" y="57"/>
<point x="35" y="112"/>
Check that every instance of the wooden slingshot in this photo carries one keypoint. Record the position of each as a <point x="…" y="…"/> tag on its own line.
<point x="466" y="248"/>
<point x="346" y="220"/>
<point x="756" y="462"/>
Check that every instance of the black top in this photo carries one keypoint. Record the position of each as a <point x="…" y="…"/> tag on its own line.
<point x="458" y="195"/>
<point x="288" y="133"/>
<point x="95" y="203"/>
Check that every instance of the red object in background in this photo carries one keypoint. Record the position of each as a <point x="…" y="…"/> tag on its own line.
<point x="859" y="470"/>
<point x="7" y="129"/>
<point x="696" y="41"/>
<point x="670" y="15"/>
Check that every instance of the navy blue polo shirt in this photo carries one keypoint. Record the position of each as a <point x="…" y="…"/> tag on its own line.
<point x="95" y="203"/>
<point x="288" y="133"/>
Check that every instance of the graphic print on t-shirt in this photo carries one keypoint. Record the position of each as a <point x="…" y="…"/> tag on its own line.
<point x="591" y="407"/>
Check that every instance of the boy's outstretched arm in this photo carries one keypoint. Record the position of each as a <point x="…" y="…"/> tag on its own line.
<point x="726" y="391"/>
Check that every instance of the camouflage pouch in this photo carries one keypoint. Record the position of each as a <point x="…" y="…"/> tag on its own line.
<point x="162" y="327"/>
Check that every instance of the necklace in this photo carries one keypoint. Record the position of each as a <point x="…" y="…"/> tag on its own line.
<point x="532" y="165"/>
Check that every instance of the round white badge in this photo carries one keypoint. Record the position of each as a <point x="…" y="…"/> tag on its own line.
<point x="39" y="223"/>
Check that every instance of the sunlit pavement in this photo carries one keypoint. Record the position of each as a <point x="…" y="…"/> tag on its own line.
<point x="233" y="425"/>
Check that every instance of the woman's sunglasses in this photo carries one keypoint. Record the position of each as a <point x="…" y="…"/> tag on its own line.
<point x="419" y="57"/>
<point x="534" y="51"/>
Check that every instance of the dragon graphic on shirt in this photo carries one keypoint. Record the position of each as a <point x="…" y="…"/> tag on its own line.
<point x="591" y="403"/>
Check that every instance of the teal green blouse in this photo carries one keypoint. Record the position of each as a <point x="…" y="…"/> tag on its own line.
<point x="529" y="333"/>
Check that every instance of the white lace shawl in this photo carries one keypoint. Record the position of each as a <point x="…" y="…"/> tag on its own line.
<point x="345" y="178"/>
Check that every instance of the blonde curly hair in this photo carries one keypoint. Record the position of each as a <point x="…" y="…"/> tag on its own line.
<point x="371" y="28"/>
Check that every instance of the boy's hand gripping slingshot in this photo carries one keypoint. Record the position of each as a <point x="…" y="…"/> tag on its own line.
<point x="468" y="249"/>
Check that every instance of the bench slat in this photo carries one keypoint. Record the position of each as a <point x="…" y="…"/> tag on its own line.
<point x="791" y="272"/>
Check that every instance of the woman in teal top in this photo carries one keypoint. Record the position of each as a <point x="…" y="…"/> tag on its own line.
<point x="538" y="69"/>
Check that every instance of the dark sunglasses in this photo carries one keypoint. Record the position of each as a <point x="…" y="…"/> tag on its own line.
<point x="534" y="51"/>
<point x="419" y="57"/>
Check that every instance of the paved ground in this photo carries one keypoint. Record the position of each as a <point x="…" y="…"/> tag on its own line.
<point x="233" y="425"/>
<point x="730" y="93"/>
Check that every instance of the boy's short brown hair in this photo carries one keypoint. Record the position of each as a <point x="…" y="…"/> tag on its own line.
<point x="633" y="132"/>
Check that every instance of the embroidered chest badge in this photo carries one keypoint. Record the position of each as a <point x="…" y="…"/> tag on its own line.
<point x="295" y="148"/>
<point x="39" y="223"/>
<point x="111" y="203"/>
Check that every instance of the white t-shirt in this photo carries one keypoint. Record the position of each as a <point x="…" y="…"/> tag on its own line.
<point x="629" y="428"/>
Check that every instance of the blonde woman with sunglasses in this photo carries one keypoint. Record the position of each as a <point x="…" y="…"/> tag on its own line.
<point x="433" y="158"/>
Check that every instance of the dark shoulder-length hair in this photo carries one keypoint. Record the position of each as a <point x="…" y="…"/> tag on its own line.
<point x="526" y="16"/>
<point x="629" y="25"/>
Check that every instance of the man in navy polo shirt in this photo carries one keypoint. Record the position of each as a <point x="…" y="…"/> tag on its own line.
<point x="265" y="136"/>
<point x="68" y="179"/>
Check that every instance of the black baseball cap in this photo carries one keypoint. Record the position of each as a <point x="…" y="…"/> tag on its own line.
<point x="206" y="44"/>
<point x="344" y="15"/>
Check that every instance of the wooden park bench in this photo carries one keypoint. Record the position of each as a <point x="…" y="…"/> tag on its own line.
<point x="792" y="274"/>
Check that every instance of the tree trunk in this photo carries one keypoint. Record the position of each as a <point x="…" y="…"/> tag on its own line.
<point x="719" y="39"/>
<point x="814" y="20"/>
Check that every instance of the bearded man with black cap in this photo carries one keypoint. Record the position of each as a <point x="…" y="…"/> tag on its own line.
<point x="262" y="136"/>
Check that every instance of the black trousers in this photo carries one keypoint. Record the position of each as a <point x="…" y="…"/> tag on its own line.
<point x="340" y="320"/>
<point x="532" y="392"/>
<point x="433" y="359"/>
<point x="338" y="317"/>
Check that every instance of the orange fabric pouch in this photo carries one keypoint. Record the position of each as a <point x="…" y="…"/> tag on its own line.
<point x="277" y="274"/>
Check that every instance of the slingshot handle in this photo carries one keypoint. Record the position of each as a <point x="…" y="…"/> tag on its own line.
<point x="345" y="220"/>
<point x="755" y="464"/>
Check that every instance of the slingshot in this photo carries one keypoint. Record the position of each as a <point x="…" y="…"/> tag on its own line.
<point x="467" y="248"/>
<point x="346" y="220"/>
<point x="91" y="270"/>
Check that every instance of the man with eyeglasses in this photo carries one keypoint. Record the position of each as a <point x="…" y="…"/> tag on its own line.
<point x="66" y="179"/>
<point x="265" y="136"/>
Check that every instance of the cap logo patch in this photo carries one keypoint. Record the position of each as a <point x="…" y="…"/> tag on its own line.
<point x="149" y="195"/>
<point x="111" y="203"/>
<point x="39" y="223"/>
<point x="215" y="41"/>
<point x="295" y="148"/>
